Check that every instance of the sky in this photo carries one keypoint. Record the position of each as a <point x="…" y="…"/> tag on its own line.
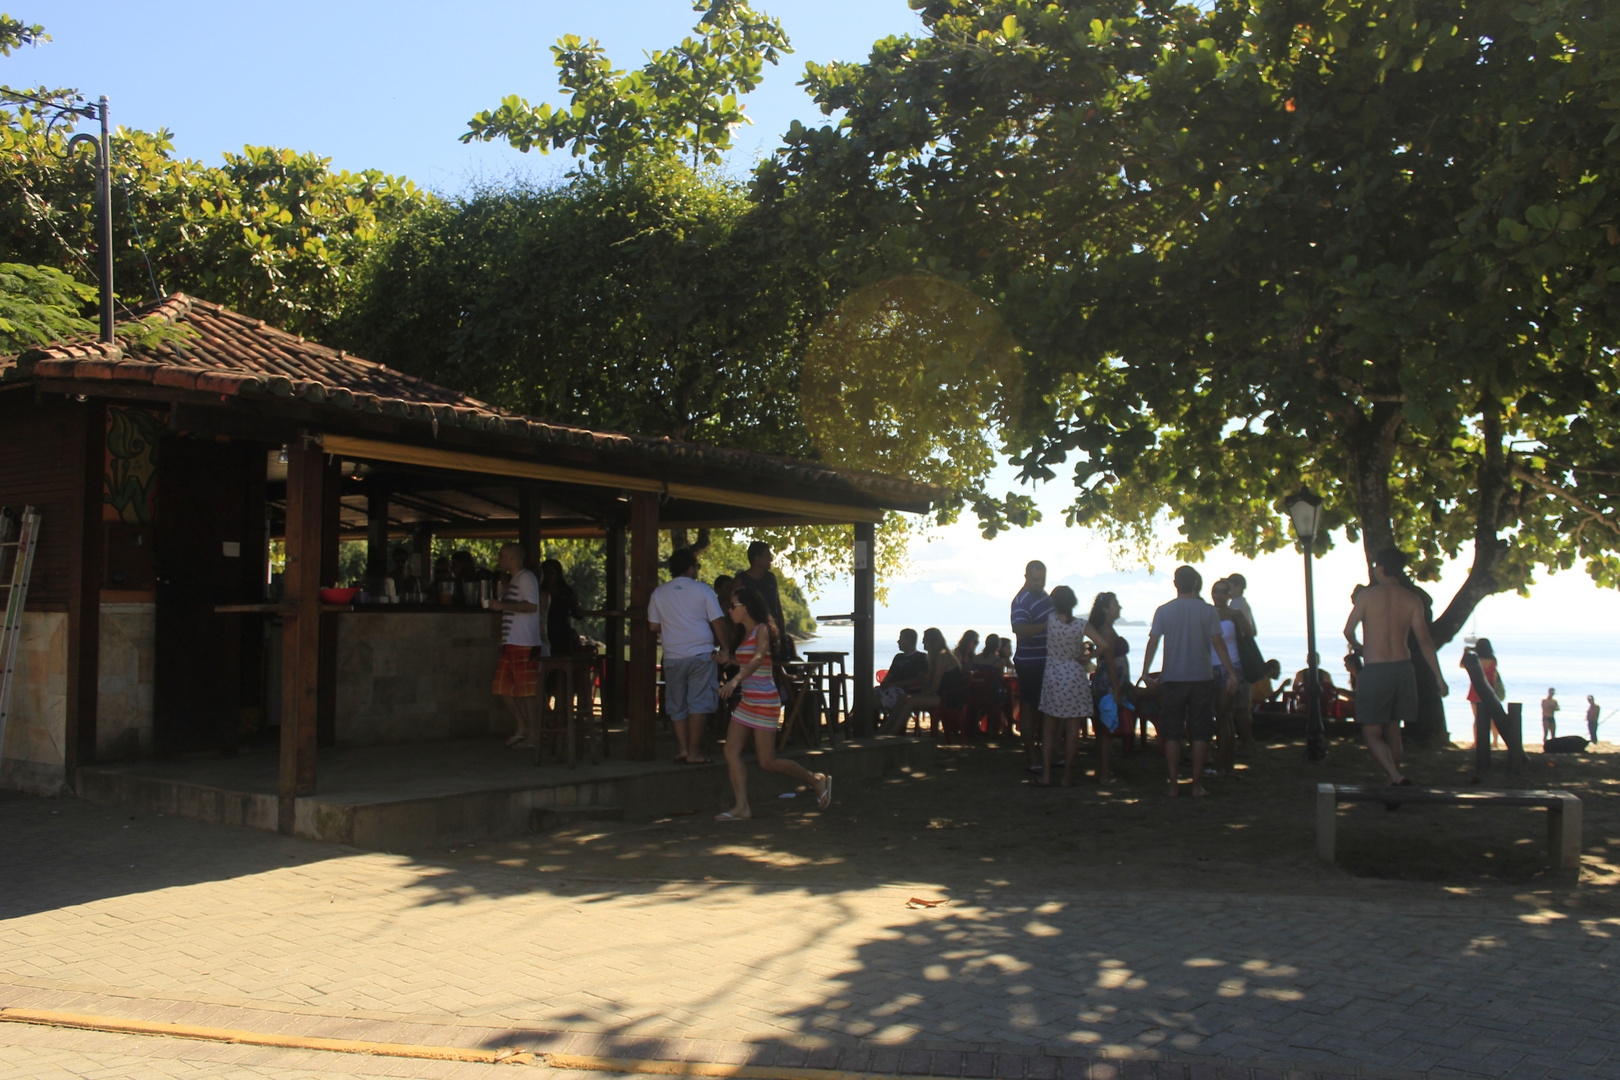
<point x="391" y="86"/>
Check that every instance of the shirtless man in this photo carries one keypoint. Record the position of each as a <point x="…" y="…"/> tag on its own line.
<point x="1549" y="715"/>
<point x="1386" y="692"/>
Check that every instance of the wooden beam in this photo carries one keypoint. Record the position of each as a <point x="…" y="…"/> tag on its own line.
<point x="865" y="610"/>
<point x="643" y="698"/>
<point x="88" y="432"/>
<point x="460" y="461"/>
<point x="613" y="685"/>
<point x="301" y="622"/>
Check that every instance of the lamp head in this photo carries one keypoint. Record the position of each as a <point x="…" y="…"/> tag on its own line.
<point x="1305" y="510"/>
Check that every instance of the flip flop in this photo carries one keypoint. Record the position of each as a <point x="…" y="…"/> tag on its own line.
<point x="825" y="798"/>
<point x="729" y="816"/>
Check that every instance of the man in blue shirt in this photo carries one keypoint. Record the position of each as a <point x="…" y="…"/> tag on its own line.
<point x="1030" y="610"/>
<point x="1189" y="627"/>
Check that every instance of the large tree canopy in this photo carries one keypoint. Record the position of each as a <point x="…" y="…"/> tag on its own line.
<point x="1364" y="244"/>
<point x="642" y="299"/>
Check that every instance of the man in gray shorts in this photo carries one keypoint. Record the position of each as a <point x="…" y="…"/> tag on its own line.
<point x="686" y="615"/>
<point x="1386" y="691"/>
<point x="1189" y="627"/>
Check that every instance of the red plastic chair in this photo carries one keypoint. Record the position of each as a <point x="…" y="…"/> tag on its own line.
<point x="986" y="710"/>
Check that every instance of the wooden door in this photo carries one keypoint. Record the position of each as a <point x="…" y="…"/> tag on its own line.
<point x="208" y="550"/>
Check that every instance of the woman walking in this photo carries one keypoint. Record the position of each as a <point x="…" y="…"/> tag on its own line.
<point x="759" y="713"/>
<point x="1066" y="688"/>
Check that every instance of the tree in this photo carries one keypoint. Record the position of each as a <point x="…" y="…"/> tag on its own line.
<point x="40" y="305"/>
<point x="642" y="300"/>
<point x="682" y="101"/>
<point x="272" y="233"/>
<point x="1365" y="245"/>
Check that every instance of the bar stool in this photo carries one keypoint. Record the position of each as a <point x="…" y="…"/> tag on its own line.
<point x="574" y="671"/>
<point x="834" y="686"/>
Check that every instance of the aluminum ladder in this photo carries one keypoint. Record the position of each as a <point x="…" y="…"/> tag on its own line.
<point x="19" y="533"/>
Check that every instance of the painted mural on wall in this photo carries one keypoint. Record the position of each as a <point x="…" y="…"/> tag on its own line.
<point x="129" y="483"/>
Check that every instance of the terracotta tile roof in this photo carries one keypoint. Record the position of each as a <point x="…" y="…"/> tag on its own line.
<point x="234" y="355"/>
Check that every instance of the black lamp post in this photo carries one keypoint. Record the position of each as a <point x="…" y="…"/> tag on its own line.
<point x="68" y="110"/>
<point x="1305" y="510"/>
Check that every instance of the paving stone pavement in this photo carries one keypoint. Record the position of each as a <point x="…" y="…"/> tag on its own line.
<point x="233" y="928"/>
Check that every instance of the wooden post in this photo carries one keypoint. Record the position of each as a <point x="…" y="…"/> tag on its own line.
<point x="529" y="526"/>
<point x="377" y="561"/>
<point x="643" y="579"/>
<point x="865" y="608"/>
<point x="84" y="592"/>
<point x="301" y="634"/>
<point x="326" y="653"/>
<point x="422" y="544"/>
<point x="613" y="673"/>
<point x="1327" y="822"/>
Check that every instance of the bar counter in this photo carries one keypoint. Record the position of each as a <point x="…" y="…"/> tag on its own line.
<point x="421" y="673"/>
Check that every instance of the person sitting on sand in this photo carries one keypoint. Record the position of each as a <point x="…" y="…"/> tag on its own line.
<point x="1388" y="611"/>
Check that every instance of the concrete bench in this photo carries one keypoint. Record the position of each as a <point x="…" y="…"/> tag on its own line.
<point x="1563" y="813"/>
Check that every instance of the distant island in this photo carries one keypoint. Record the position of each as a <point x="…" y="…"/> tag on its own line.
<point x="1130" y="622"/>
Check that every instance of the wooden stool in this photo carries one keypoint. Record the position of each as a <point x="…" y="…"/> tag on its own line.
<point x="564" y="719"/>
<point x="834" y="685"/>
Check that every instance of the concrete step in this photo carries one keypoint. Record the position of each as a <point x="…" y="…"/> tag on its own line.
<point x="546" y="818"/>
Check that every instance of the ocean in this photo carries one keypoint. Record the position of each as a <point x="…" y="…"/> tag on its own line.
<point x="1529" y="662"/>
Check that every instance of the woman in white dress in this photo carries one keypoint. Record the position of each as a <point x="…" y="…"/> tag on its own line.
<point x="1065" y="688"/>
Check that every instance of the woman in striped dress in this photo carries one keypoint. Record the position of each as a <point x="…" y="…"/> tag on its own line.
<point x="759" y="713"/>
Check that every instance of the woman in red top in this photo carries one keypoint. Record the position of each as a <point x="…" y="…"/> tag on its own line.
<point x="1487" y="667"/>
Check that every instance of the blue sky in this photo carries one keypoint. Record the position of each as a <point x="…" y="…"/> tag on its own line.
<point x="391" y="86"/>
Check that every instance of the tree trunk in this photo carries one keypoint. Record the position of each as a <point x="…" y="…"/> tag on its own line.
<point x="1371" y="441"/>
<point x="1370" y="438"/>
<point x="1488" y="546"/>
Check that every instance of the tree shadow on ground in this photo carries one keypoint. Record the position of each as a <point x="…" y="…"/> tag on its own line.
<point x="59" y="851"/>
<point x="970" y="822"/>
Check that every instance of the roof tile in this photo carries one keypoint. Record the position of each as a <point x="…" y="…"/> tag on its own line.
<point x="232" y="354"/>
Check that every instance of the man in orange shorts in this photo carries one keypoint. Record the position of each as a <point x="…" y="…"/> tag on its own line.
<point x="517" y="674"/>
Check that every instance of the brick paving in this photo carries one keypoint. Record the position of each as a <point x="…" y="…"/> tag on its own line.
<point x="185" y="923"/>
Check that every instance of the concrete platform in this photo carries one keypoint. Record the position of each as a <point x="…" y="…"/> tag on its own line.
<point x="387" y="797"/>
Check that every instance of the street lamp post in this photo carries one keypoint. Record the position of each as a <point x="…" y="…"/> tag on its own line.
<point x="69" y="110"/>
<point x="1305" y="510"/>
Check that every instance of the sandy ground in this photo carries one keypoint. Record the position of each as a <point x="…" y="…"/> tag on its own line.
<point x="972" y="823"/>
